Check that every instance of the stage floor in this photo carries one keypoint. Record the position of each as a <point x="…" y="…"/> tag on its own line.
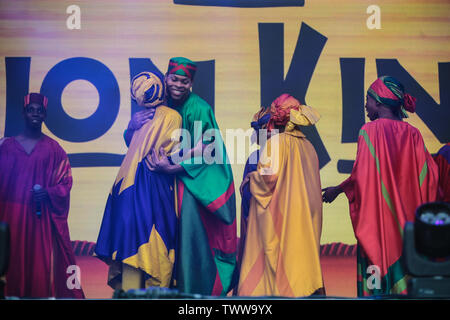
<point x="339" y="274"/>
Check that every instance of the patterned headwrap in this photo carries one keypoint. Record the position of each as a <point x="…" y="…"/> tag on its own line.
<point x="35" y="98"/>
<point x="289" y="112"/>
<point x="388" y="91"/>
<point x="182" y="66"/>
<point x="260" y="119"/>
<point x="147" y="89"/>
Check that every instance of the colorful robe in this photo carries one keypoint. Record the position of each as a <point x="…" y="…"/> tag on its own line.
<point x="139" y="223"/>
<point x="246" y="194"/>
<point x="41" y="251"/>
<point x="392" y="175"/>
<point x="245" y="203"/>
<point x="281" y="256"/>
<point x="207" y="205"/>
<point x="442" y="159"/>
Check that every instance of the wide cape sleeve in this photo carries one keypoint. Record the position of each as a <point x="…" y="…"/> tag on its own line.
<point x="58" y="210"/>
<point x="281" y="254"/>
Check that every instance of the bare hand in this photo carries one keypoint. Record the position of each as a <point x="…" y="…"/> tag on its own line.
<point x="40" y="195"/>
<point x="198" y="149"/>
<point x="330" y="193"/>
<point x="161" y="162"/>
<point x="140" y="118"/>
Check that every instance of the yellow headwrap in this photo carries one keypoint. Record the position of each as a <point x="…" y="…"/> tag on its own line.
<point x="289" y="112"/>
<point x="305" y="116"/>
<point x="147" y="89"/>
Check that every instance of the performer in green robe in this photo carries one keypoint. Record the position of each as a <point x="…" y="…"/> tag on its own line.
<point x="206" y="260"/>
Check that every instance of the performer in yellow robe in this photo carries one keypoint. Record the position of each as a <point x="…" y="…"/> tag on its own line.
<point x="281" y="255"/>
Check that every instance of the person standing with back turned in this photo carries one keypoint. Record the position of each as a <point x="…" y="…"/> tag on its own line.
<point x="392" y="175"/>
<point x="281" y="255"/>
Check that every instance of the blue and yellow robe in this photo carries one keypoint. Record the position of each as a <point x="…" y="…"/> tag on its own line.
<point x="139" y="226"/>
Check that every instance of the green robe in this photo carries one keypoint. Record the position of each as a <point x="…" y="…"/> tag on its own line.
<point x="206" y="261"/>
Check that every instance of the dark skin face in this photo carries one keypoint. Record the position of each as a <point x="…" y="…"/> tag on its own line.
<point x="371" y="108"/>
<point x="34" y="114"/>
<point x="178" y="87"/>
<point x="376" y="110"/>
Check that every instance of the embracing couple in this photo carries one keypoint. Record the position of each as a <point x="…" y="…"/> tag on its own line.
<point x="170" y="223"/>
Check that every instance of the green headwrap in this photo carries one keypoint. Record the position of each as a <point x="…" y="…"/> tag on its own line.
<point x="182" y="66"/>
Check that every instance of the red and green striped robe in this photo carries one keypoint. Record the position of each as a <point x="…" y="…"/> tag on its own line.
<point x="393" y="174"/>
<point x="206" y="260"/>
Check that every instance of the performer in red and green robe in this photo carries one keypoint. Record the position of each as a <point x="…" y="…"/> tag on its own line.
<point x="40" y="247"/>
<point x="393" y="174"/>
<point x="206" y="259"/>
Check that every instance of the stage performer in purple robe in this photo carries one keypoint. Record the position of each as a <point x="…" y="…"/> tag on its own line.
<point x="393" y="174"/>
<point x="35" y="183"/>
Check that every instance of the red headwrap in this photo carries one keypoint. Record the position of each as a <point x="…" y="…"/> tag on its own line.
<point x="409" y="103"/>
<point x="389" y="91"/>
<point x="280" y="110"/>
<point x="35" y="98"/>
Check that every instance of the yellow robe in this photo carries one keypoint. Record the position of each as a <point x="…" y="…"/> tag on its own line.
<point x="281" y="255"/>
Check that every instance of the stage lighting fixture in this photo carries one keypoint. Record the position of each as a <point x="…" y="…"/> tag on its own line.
<point x="432" y="230"/>
<point x="426" y="251"/>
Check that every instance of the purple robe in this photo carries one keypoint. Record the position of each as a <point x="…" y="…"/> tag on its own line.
<point x="40" y="251"/>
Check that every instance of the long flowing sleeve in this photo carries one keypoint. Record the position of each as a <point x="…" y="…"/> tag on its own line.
<point x="59" y="190"/>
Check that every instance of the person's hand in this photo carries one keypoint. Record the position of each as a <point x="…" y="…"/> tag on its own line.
<point x="330" y="193"/>
<point x="198" y="149"/>
<point x="140" y="118"/>
<point x="40" y="195"/>
<point x="161" y="162"/>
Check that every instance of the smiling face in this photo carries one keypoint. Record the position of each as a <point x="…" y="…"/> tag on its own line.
<point x="178" y="87"/>
<point x="371" y="108"/>
<point x="34" y="115"/>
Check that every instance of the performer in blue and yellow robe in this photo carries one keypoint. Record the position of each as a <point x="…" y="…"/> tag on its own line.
<point x="138" y="234"/>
